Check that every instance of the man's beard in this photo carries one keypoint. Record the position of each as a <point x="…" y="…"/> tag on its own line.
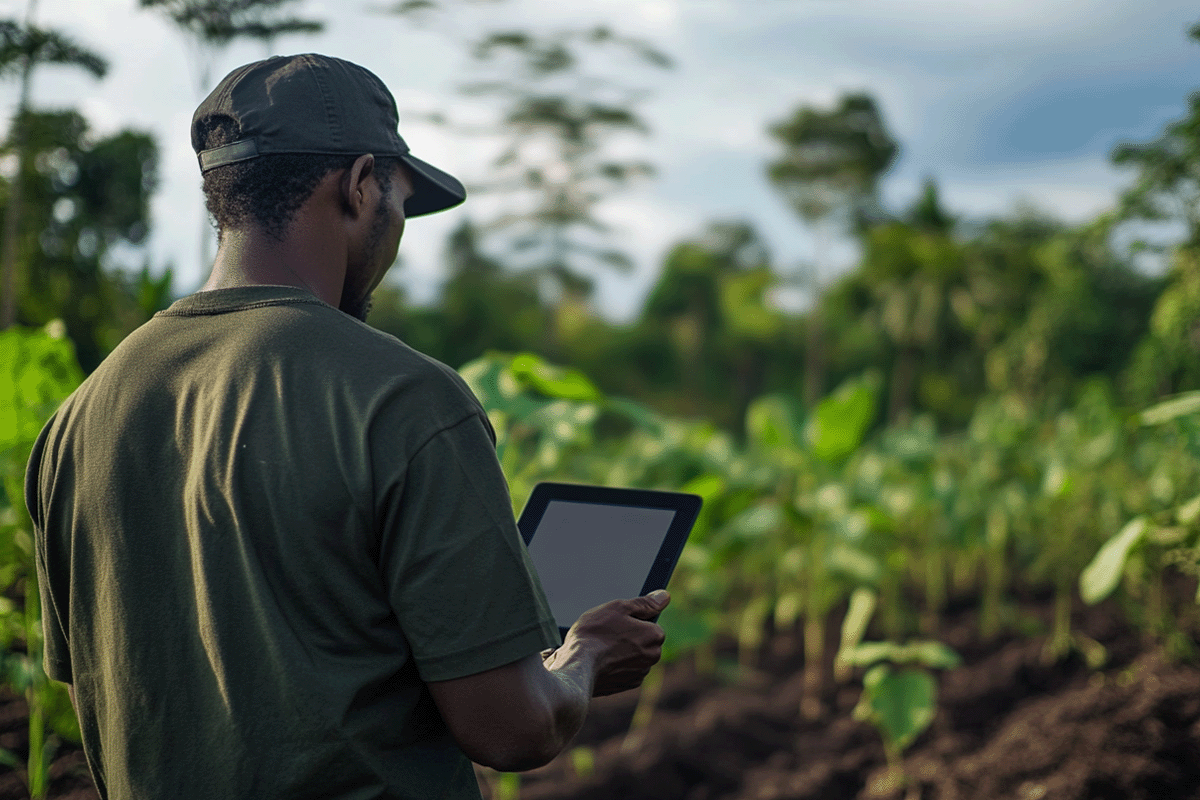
<point x="360" y="308"/>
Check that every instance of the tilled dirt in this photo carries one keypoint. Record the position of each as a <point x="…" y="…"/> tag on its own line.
<point x="1010" y="726"/>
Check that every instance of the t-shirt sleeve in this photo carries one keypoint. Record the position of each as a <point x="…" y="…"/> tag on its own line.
<point x="458" y="574"/>
<point x="56" y="655"/>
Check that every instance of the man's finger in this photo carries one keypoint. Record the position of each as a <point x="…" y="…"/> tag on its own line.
<point x="651" y="604"/>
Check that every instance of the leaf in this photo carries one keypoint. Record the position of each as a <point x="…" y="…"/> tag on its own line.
<point x="1102" y="575"/>
<point x="757" y="520"/>
<point x="1181" y="405"/>
<point x="1189" y="511"/>
<point x="901" y="703"/>
<point x="771" y="423"/>
<point x="854" y="563"/>
<point x="551" y="380"/>
<point x="858" y="616"/>
<point x="864" y="654"/>
<point x="841" y="420"/>
<point x="934" y="655"/>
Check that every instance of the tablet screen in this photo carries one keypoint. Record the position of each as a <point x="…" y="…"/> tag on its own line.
<point x="589" y="553"/>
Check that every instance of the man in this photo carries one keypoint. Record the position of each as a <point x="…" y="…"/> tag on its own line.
<point x="276" y="553"/>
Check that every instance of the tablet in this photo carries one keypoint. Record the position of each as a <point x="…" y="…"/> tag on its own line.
<point x="593" y="544"/>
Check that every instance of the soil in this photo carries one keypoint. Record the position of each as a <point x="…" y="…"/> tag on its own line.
<point x="1009" y="725"/>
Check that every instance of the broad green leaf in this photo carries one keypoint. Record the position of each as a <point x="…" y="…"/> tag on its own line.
<point x="934" y="655"/>
<point x="708" y="486"/>
<point x="1102" y="575"/>
<point x="901" y="703"/>
<point x="840" y="421"/>
<point x="1181" y="405"/>
<point x="771" y="424"/>
<point x="552" y="380"/>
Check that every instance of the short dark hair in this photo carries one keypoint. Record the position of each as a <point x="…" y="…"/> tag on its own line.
<point x="270" y="189"/>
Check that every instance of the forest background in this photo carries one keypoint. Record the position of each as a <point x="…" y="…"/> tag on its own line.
<point x="1014" y="351"/>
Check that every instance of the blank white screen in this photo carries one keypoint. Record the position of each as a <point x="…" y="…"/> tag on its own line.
<point x="587" y="554"/>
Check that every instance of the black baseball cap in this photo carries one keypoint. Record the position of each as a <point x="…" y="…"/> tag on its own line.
<point x="321" y="105"/>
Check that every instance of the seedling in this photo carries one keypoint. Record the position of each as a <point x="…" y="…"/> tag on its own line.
<point x="899" y="693"/>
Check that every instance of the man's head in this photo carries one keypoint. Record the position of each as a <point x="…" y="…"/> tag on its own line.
<point x="272" y="131"/>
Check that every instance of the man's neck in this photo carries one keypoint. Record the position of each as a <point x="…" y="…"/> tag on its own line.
<point x="253" y="257"/>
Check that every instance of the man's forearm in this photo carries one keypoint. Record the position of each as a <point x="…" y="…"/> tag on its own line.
<point x="574" y="668"/>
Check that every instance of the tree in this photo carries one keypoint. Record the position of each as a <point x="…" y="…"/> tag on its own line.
<point x="23" y="48"/>
<point x="481" y="308"/>
<point x="829" y="174"/>
<point x="1167" y="186"/>
<point x="708" y="327"/>
<point x="909" y="268"/>
<point x="210" y="25"/>
<point x="558" y="120"/>
<point x="83" y="195"/>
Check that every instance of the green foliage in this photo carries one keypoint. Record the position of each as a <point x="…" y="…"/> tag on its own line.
<point x="833" y="160"/>
<point x="900" y="703"/>
<point x="1101" y="576"/>
<point x="559" y="120"/>
<point x="38" y="370"/>
<point x="222" y="21"/>
<point x="842" y="419"/>
<point x="82" y="196"/>
<point x="21" y="45"/>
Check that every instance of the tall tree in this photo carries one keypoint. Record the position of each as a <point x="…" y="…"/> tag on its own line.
<point x="1167" y="185"/>
<point x="708" y="327"/>
<point x="554" y="168"/>
<point x="23" y="48"/>
<point x="909" y="267"/>
<point x="83" y="195"/>
<point x="829" y="174"/>
<point x="209" y="26"/>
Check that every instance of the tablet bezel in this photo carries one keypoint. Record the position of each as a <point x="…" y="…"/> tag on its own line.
<point x="686" y="508"/>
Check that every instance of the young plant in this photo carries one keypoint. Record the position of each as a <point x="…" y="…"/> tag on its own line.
<point x="899" y="693"/>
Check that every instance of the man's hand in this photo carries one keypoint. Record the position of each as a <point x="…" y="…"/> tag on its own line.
<point x="620" y="638"/>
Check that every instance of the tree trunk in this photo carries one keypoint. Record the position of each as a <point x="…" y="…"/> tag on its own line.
<point x="12" y="212"/>
<point x="904" y="378"/>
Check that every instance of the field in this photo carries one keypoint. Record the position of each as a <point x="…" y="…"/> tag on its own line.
<point x="1007" y="612"/>
<point x="1009" y="726"/>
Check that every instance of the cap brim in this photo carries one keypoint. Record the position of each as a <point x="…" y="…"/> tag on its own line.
<point x="433" y="190"/>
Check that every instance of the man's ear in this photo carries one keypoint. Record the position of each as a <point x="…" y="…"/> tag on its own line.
<point x="354" y="185"/>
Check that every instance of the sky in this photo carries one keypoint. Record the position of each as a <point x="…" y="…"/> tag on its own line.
<point x="1000" y="102"/>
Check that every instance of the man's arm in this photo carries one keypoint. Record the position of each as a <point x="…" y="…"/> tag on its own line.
<point x="522" y="715"/>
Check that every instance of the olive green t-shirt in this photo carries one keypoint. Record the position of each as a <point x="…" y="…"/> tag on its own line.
<point x="261" y="526"/>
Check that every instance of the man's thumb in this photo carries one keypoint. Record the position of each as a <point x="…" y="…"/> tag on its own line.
<point x="659" y="598"/>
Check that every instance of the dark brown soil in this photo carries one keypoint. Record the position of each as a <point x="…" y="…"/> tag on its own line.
<point x="1010" y="726"/>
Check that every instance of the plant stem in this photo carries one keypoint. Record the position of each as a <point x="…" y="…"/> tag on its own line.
<point x="1059" y="643"/>
<point x="38" y="769"/>
<point x="935" y="590"/>
<point x="651" y="688"/>
<point x="994" y="573"/>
